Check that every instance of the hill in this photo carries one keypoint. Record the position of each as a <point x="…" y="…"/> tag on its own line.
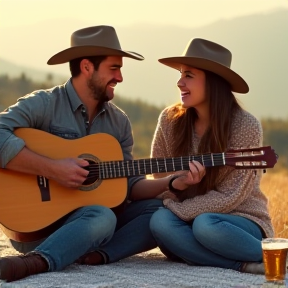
<point x="258" y="42"/>
<point x="14" y="71"/>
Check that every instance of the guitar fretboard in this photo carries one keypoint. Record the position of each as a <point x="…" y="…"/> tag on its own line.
<point x="118" y="169"/>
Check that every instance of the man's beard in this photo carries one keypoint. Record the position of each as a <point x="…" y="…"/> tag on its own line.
<point x="97" y="88"/>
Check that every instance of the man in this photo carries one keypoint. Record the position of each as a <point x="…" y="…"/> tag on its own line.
<point x="73" y="110"/>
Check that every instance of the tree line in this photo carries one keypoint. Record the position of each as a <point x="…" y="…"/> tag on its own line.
<point x="144" y="117"/>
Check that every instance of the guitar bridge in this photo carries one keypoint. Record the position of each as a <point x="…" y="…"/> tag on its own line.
<point x="43" y="184"/>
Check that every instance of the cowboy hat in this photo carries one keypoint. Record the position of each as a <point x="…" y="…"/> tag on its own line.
<point x="93" y="41"/>
<point x="207" y="55"/>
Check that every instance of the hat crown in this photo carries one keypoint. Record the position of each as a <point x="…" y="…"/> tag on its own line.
<point x="201" y="48"/>
<point x="209" y="56"/>
<point x="104" y="36"/>
<point x="99" y="40"/>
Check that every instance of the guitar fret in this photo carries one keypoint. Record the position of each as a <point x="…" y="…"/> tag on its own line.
<point x="101" y="170"/>
<point x="111" y="169"/>
<point x="212" y="159"/>
<point x="223" y="159"/>
<point x="133" y="167"/>
<point x="119" y="167"/>
<point x="114" y="169"/>
<point x="128" y="172"/>
<point x="144" y="166"/>
<point x="173" y="163"/>
<point x="123" y="169"/>
<point x="106" y="170"/>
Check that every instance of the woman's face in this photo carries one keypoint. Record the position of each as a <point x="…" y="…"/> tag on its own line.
<point x="192" y="87"/>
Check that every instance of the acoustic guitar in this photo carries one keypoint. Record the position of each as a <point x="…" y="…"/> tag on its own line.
<point x="30" y="204"/>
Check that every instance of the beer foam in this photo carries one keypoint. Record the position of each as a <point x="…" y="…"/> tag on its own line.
<point x="275" y="245"/>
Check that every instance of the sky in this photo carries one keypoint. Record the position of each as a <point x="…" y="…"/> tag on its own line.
<point x="125" y="12"/>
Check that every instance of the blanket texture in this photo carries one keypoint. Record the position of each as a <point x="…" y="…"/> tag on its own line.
<point x="146" y="270"/>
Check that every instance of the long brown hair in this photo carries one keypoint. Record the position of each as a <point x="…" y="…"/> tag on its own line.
<point x="222" y="106"/>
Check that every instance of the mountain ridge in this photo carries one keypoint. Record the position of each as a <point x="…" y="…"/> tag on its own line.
<point x="258" y="44"/>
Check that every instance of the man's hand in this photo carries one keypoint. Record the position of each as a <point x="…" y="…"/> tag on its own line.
<point x="69" y="172"/>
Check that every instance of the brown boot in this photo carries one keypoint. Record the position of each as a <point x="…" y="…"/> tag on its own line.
<point x="13" y="268"/>
<point x="92" y="258"/>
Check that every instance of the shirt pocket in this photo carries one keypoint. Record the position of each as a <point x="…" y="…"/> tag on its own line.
<point x="64" y="132"/>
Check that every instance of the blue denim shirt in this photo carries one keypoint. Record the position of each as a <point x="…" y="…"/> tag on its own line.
<point x="60" y="111"/>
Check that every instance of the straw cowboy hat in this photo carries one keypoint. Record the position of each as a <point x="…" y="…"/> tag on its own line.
<point x="93" y="41"/>
<point x="207" y="55"/>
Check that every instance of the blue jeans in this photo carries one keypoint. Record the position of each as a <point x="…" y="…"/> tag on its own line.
<point x="86" y="228"/>
<point x="132" y="234"/>
<point x="212" y="239"/>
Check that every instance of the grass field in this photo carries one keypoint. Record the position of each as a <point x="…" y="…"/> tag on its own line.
<point x="275" y="187"/>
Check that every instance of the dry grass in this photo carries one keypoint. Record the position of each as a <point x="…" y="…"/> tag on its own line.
<point x="275" y="187"/>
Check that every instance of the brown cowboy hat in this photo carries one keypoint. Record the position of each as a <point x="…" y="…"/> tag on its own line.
<point x="207" y="55"/>
<point x="93" y="41"/>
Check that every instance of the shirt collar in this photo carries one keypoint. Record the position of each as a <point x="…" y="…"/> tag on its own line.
<point x="73" y="97"/>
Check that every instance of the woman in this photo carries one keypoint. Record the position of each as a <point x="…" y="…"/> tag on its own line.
<point x="220" y="215"/>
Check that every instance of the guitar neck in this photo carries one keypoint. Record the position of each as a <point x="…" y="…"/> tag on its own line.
<point x="118" y="169"/>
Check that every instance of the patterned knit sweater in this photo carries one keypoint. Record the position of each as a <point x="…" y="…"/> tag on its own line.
<point x="239" y="193"/>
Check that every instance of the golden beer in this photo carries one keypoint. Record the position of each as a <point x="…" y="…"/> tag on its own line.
<point x="274" y="258"/>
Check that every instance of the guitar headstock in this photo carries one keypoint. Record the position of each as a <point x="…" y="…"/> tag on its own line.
<point x="254" y="158"/>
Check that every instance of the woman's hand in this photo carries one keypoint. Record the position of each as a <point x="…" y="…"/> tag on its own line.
<point x="193" y="176"/>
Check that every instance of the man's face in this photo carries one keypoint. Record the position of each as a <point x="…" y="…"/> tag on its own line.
<point x="103" y="81"/>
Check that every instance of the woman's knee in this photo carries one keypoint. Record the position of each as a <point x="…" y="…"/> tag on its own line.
<point x="203" y="225"/>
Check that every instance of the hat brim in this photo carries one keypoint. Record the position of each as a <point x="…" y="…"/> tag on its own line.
<point x="238" y="84"/>
<point x="82" y="51"/>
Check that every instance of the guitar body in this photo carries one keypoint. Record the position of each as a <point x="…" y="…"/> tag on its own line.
<point x="23" y="209"/>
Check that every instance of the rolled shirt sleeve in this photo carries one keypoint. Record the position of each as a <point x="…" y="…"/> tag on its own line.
<point x="16" y="116"/>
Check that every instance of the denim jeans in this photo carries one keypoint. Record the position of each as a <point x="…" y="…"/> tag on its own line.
<point x="132" y="234"/>
<point x="211" y="239"/>
<point x="86" y="228"/>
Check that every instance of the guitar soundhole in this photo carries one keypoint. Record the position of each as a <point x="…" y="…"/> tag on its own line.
<point x="92" y="180"/>
<point x="93" y="173"/>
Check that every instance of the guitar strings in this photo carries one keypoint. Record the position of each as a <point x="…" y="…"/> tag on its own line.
<point x="134" y="167"/>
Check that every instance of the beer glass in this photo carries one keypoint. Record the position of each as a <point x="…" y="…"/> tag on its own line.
<point x="274" y="258"/>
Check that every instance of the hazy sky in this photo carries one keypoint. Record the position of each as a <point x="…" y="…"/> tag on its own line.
<point x="188" y="13"/>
